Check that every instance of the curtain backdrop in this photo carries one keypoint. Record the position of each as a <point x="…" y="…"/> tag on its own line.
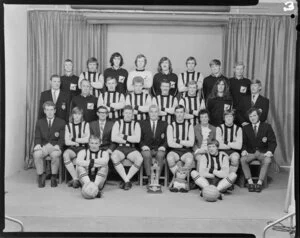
<point x="267" y="46"/>
<point x="52" y="38"/>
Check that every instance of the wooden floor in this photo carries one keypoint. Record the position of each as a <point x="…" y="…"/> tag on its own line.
<point x="63" y="209"/>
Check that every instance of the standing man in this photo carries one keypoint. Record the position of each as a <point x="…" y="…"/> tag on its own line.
<point x="49" y="140"/>
<point x="254" y="100"/>
<point x="153" y="140"/>
<point x="259" y="142"/>
<point x="86" y="101"/>
<point x="127" y="134"/>
<point x="59" y="98"/>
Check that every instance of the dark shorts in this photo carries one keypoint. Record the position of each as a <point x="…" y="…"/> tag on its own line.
<point x="76" y="149"/>
<point x="126" y="150"/>
<point x="180" y="151"/>
<point x="213" y="181"/>
<point x="230" y="151"/>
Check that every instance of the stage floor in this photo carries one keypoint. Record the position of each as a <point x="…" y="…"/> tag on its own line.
<point x="63" y="209"/>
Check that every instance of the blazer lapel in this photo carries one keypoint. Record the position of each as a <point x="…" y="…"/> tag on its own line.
<point x="260" y="130"/>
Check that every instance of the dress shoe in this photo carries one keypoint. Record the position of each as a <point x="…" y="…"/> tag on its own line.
<point x="183" y="190"/>
<point x="231" y="188"/>
<point x="127" y="185"/>
<point x="53" y="181"/>
<point x="99" y="194"/>
<point x="122" y="184"/>
<point x="251" y="187"/>
<point x="70" y="183"/>
<point x="42" y="180"/>
<point x="76" y="183"/>
<point x="174" y="190"/>
<point x="221" y="196"/>
<point x="258" y="188"/>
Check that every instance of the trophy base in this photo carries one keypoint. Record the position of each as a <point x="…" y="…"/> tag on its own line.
<point x="154" y="189"/>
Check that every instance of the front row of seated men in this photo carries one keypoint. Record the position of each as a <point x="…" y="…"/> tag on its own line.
<point x="90" y="145"/>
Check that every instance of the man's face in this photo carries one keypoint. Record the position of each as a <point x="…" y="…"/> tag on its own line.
<point x="239" y="70"/>
<point x="165" y="88"/>
<point x="85" y="87"/>
<point x="55" y="83"/>
<point x="253" y="117"/>
<point x="228" y="119"/>
<point x="191" y="65"/>
<point x="140" y="63"/>
<point x="212" y="149"/>
<point x="179" y="114"/>
<point x="221" y="87"/>
<point x="102" y="114"/>
<point x="127" y="115"/>
<point x="165" y="65"/>
<point x="49" y="111"/>
<point x="117" y="61"/>
<point x="255" y="88"/>
<point x="111" y="85"/>
<point x="192" y="89"/>
<point x="94" y="144"/>
<point x="204" y="119"/>
<point x="77" y="117"/>
<point x="138" y="88"/>
<point x="215" y="69"/>
<point x="92" y="67"/>
<point x="68" y="66"/>
<point x="153" y="114"/>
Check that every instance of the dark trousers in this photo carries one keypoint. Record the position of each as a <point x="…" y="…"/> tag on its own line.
<point x="148" y="155"/>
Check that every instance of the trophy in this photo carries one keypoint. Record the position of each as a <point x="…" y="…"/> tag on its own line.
<point x="154" y="186"/>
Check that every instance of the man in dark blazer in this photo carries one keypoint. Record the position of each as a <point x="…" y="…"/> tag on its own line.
<point x="253" y="100"/>
<point x="153" y="140"/>
<point x="259" y="142"/>
<point x="61" y="99"/>
<point x="49" y="140"/>
<point x="102" y="129"/>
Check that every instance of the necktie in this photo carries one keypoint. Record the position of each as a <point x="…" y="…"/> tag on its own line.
<point x="49" y="125"/>
<point x="101" y="131"/>
<point x="153" y="128"/>
<point x="54" y="96"/>
<point x="255" y="130"/>
<point x="253" y="100"/>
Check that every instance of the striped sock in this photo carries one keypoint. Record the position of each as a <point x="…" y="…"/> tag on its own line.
<point x="120" y="169"/>
<point x="132" y="171"/>
<point x="70" y="167"/>
<point x="84" y="178"/>
<point x="173" y="168"/>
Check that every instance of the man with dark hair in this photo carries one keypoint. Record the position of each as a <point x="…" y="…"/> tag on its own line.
<point x="59" y="98"/>
<point x="48" y="141"/>
<point x="116" y="71"/>
<point x="253" y="100"/>
<point x="259" y="142"/>
<point x="69" y="81"/>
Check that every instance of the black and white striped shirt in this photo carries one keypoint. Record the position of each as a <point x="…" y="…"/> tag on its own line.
<point x="77" y="131"/>
<point x="107" y="98"/>
<point x="96" y="80"/>
<point x="139" y="100"/>
<point x="163" y="102"/>
<point x="127" y="129"/>
<point x="181" y="130"/>
<point x="185" y="77"/>
<point x="191" y="104"/>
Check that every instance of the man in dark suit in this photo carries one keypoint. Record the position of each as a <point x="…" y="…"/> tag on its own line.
<point x="102" y="129"/>
<point x="49" y="140"/>
<point x="253" y="100"/>
<point x="259" y="142"/>
<point x="153" y="140"/>
<point x="61" y="99"/>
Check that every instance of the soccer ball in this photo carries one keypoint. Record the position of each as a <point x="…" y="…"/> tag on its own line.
<point x="89" y="190"/>
<point x="210" y="193"/>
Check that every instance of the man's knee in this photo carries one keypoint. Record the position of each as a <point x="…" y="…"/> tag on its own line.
<point x="115" y="157"/>
<point x="146" y="154"/>
<point x="138" y="158"/>
<point x="234" y="158"/>
<point x="38" y="155"/>
<point x="80" y="169"/>
<point x="55" y="155"/>
<point x="267" y="160"/>
<point x="194" y="174"/>
<point x="171" y="159"/>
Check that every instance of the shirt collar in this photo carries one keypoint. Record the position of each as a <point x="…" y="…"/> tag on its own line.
<point x="56" y="91"/>
<point x="257" y="124"/>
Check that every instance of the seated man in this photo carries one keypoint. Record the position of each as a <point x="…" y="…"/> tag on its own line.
<point x="92" y="164"/>
<point x="153" y="140"/>
<point x="77" y="134"/>
<point x="214" y="169"/>
<point x="259" y="142"/>
<point x="180" y="137"/>
<point x="139" y="100"/>
<point x="126" y="133"/>
<point x="49" y="140"/>
<point x="112" y="100"/>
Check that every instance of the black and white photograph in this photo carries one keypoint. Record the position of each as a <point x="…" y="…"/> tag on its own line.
<point x="175" y="119"/>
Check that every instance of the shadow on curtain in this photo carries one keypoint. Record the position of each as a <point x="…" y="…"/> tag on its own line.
<point x="267" y="46"/>
<point x="52" y="38"/>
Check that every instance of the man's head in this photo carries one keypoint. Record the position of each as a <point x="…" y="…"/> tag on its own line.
<point x="192" y="88"/>
<point x="85" y="87"/>
<point x="165" y="87"/>
<point x="229" y="117"/>
<point x="191" y="63"/>
<point x="138" y="84"/>
<point x="140" y="61"/>
<point x="49" y="109"/>
<point x="102" y="113"/>
<point x="179" y="113"/>
<point x="165" y="64"/>
<point x="204" y="117"/>
<point x="68" y="66"/>
<point x="111" y="84"/>
<point x="255" y="86"/>
<point x="94" y="143"/>
<point x="55" y="82"/>
<point x="213" y="146"/>
<point x="254" y="115"/>
<point x="128" y="113"/>
<point x="215" y="66"/>
<point x="239" y="69"/>
<point x="153" y="112"/>
<point x="92" y="64"/>
<point x="77" y="115"/>
<point x="116" y="60"/>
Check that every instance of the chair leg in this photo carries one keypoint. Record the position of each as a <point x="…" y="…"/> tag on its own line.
<point x="166" y="175"/>
<point x="141" y="175"/>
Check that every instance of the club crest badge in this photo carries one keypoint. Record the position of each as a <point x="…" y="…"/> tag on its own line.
<point x="226" y="107"/>
<point x="56" y="134"/>
<point x="243" y="89"/>
<point x="121" y="79"/>
<point x="260" y="110"/>
<point x="90" y="106"/>
<point x="172" y="83"/>
<point x="264" y="139"/>
<point x="163" y="135"/>
<point x="63" y="106"/>
<point x="73" y="86"/>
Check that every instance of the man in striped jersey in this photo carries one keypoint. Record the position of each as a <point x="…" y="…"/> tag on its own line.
<point x="139" y="100"/>
<point x="185" y="77"/>
<point x="96" y="79"/>
<point x="92" y="164"/>
<point x="114" y="101"/>
<point x="180" y="138"/>
<point x="127" y="134"/>
<point x="192" y="103"/>
<point x="214" y="169"/>
<point x="165" y="102"/>
<point x="77" y="133"/>
<point x="230" y="137"/>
